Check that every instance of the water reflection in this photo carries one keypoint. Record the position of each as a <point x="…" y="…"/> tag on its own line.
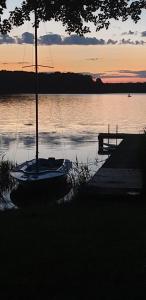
<point x="68" y="125"/>
<point x="73" y="112"/>
<point x="22" y="147"/>
<point x="8" y="139"/>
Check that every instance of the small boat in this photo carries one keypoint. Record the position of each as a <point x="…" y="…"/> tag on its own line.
<point x="40" y="170"/>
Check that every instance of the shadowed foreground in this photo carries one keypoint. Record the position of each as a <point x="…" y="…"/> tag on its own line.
<point x="88" y="248"/>
<point x="74" y="251"/>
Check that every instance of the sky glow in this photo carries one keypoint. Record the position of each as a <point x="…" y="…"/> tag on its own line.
<point x="116" y="55"/>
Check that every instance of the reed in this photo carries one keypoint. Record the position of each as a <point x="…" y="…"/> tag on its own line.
<point x="6" y="181"/>
<point x="79" y="175"/>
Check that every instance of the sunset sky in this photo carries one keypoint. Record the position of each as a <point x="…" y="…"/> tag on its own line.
<point x="117" y="54"/>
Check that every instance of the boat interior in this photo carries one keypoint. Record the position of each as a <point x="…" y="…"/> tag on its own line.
<point x="50" y="164"/>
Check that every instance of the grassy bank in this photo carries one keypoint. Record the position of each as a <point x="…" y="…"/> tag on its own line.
<point x="89" y="248"/>
<point x="74" y="250"/>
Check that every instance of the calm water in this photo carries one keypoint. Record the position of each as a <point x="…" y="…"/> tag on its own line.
<point x="68" y="124"/>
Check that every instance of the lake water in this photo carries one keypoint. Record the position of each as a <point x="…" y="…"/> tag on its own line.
<point x="68" y="124"/>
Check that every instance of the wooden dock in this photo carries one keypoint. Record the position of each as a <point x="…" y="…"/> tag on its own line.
<point x="111" y="136"/>
<point x="121" y="173"/>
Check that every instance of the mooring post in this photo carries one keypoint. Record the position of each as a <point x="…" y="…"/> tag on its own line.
<point x="108" y="132"/>
<point x="116" y="133"/>
<point x="100" y="142"/>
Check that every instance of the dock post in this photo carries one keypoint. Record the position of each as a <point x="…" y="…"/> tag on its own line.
<point x="100" y="141"/>
<point x="116" y="133"/>
<point x="108" y="132"/>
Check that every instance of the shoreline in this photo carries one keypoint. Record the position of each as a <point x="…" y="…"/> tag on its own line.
<point x="71" y="93"/>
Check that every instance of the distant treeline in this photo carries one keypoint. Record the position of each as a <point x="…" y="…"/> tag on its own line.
<point x="24" y="82"/>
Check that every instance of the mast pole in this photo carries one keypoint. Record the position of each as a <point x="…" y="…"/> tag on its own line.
<point x="36" y="84"/>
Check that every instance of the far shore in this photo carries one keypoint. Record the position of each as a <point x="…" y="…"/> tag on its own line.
<point x="15" y="82"/>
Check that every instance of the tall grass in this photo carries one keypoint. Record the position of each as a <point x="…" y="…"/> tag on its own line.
<point x="79" y="175"/>
<point x="6" y="181"/>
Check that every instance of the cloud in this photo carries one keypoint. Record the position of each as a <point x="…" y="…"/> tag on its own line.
<point x="130" y="42"/>
<point x="16" y="63"/>
<point x="93" y="58"/>
<point x="143" y="33"/>
<point x="139" y="73"/>
<point x="124" y="74"/>
<point x="6" y="39"/>
<point x="139" y="42"/>
<point x="56" y="39"/>
<point x="26" y="38"/>
<point x="50" y="39"/>
<point x="130" y="32"/>
<point x="112" y="42"/>
<point x="81" y="40"/>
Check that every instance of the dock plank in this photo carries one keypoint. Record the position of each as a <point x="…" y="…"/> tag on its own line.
<point x="121" y="173"/>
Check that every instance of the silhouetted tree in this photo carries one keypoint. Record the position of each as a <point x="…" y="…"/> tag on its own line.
<point x="24" y="82"/>
<point x="2" y="5"/>
<point x="5" y="25"/>
<point x="75" y="13"/>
